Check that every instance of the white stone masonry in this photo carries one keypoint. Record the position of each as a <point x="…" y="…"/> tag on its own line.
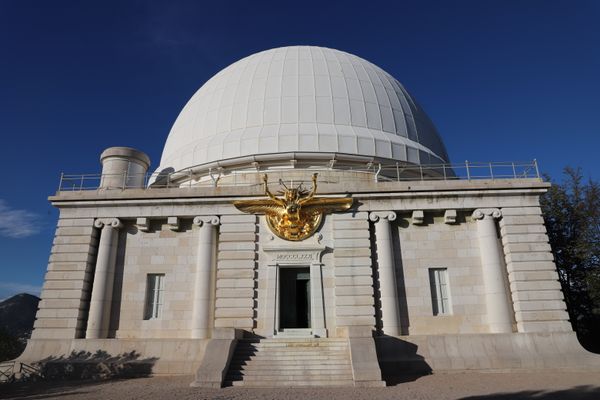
<point x="66" y="292"/>
<point x="499" y="313"/>
<point x="203" y="282"/>
<point x="538" y="300"/>
<point x="104" y="278"/>
<point x="387" y="272"/>
<point x="235" y="294"/>
<point x="353" y="270"/>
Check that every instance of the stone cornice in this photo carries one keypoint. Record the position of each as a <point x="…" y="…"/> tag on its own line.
<point x="359" y="190"/>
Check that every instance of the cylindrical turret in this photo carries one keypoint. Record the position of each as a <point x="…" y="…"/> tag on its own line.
<point x="123" y="168"/>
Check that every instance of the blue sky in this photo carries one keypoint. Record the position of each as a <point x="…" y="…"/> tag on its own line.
<point x="502" y="80"/>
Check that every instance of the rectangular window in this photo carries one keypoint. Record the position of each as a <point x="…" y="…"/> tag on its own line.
<point x="154" y="296"/>
<point x="440" y="291"/>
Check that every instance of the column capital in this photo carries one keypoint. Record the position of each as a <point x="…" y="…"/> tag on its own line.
<point x="482" y="213"/>
<point x="376" y="216"/>
<point x="108" y="222"/>
<point x="204" y="220"/>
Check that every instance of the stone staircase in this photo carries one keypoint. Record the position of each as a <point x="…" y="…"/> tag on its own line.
<point x="290" y="362"/>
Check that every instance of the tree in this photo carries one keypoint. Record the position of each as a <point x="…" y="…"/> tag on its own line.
<point x="572" y="214"/>
<point x="10" y="346"/>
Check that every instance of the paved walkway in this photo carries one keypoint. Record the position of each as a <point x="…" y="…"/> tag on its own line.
<point x="553" y="385"/>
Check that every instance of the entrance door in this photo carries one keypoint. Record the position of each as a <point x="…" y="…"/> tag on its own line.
<point x="294" y="298"/>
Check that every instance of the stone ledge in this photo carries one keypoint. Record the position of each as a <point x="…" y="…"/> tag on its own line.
<point x="512" y="351"/>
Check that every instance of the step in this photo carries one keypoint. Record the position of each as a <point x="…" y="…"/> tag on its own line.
<point x="293" y="348"/>
<point x="291" y="332"/>
<point x="292" y="352"/>
<point x="304" y="355"/>
<point x="283" y="359"/>
<point x="293" y="340"/>
<point x="292" y="345"/>
<point x="299" y="377"/>
<point x="289" y="372"/>
<point x="305" y="350"/>
<point x="328" y="383"/>
<point x="290" y="362"/>
<point x="290" y="366"/>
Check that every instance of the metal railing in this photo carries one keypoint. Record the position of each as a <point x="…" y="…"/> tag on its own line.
<point x="379" y="172"/>
<point x="14" y="371"/>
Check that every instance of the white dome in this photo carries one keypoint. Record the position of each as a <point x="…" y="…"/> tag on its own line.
<point x="301" y="99"/>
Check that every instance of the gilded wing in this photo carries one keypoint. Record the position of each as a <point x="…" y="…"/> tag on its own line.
<point x="264" y="206"/>
<point x="318" y="205"/>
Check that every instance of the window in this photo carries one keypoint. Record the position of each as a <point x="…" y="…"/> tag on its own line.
<point x="154" y="296"/>
<point x="440" y="291"/>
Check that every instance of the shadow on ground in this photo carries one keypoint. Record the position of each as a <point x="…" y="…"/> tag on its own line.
<point x="586" y="392"/>
<point x="98" y="365"/>
<point x="399" y="360"/>
<point x="78" y="370"/>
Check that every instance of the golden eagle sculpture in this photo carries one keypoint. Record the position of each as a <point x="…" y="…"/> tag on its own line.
<point x="296" y="214"/>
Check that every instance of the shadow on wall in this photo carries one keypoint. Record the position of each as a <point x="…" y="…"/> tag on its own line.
<point x="400" y="283"/>
<point x="97" y="366"/>
<point x="576" y="393"/>
<point x="162" y="178"/>
<point x="399" y="361"/>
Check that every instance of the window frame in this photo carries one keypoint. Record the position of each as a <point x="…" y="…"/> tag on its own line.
<point x="155" y="288"/>
<point x="441" y="303"/>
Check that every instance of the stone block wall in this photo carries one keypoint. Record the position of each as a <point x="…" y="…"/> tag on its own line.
<point x="536" y="292"/>
<point x="157" y="251"/>
<point x="354" y="293"/>
<point x="435" y="244"/>
<point x="65" y="295"/>
<point x="236" y="273"/>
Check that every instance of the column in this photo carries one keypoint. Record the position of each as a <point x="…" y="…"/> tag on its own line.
<point x="499" y="313"/>
<point x="387" y="271"/>
<point x="317" y="309"/>
<point x="104" y="278"/>
<point x="203" y="282"/>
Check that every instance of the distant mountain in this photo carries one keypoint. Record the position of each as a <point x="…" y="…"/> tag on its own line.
<point x="17" y="315"/>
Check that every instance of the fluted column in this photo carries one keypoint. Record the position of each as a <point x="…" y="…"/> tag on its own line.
<point x="499" y="314"/>
<point x="202" y="285"/>
<point x="387" y="271"/>
<point x="104" y="278"/>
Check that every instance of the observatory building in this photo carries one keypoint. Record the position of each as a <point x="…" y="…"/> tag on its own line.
<point x="304" y="227"/>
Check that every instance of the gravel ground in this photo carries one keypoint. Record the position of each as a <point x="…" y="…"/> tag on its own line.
<point x="554" y="385"/>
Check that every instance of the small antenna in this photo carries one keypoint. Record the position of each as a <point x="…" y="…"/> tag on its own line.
<point x="282" y="184"/>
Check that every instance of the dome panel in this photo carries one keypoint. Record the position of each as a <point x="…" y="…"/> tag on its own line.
<point x="305" y="98"/>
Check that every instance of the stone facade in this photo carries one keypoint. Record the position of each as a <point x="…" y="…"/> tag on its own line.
<point x="370" y="274"/>
<point x="423" y="271"/>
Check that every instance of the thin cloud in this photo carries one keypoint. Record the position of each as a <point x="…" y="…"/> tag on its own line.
<point x="15" y="223"/>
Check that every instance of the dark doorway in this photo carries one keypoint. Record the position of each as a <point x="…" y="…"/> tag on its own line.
<point x="294" y="298"/>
